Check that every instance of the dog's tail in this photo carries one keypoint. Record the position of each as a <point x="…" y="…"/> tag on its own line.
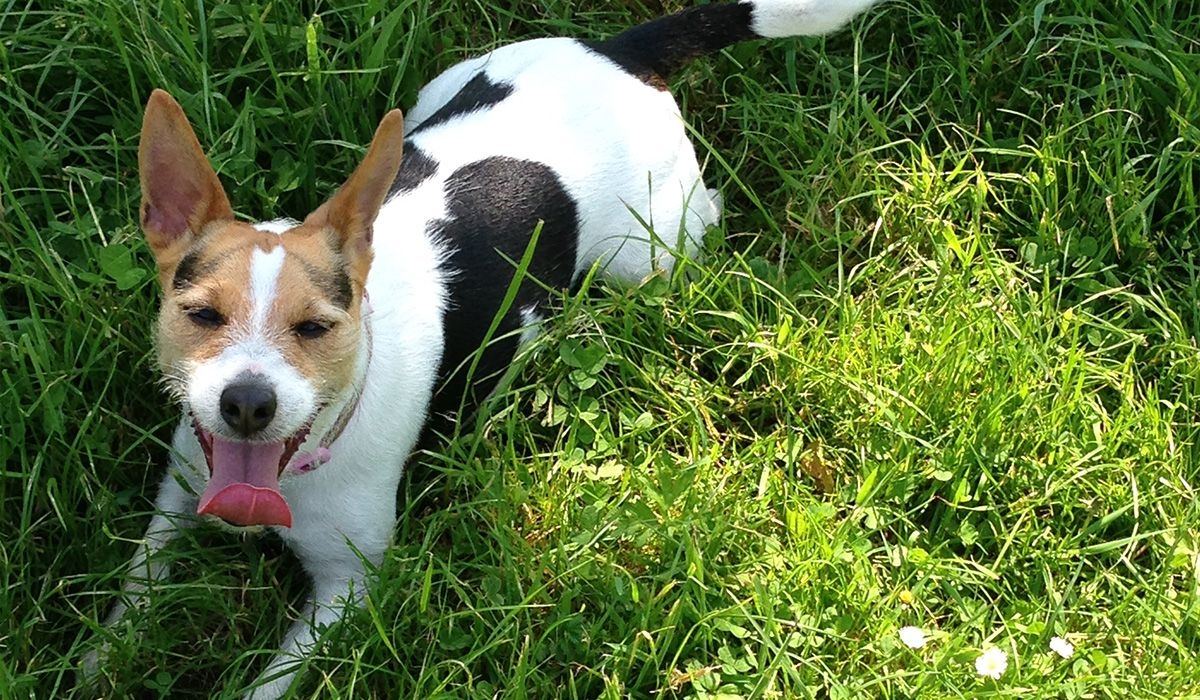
<point x="657" y="49"/>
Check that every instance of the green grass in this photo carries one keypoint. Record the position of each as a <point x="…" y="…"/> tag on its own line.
<point x="940" y="368"/>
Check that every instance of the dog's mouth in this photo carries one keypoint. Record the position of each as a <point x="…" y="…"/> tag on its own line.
<point x="243" y="483"/>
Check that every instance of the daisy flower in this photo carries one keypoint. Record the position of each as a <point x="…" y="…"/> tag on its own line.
<point x="992" y="663"/>
<point x="1062" y="647"/>
<point x="913" y="637"/>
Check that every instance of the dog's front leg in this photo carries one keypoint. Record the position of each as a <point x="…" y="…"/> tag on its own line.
<point x="330" y="599"/>
<point x="173" y="507"/>
<point x="336" y="563"/>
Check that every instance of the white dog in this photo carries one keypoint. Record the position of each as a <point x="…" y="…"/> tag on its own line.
<point x="308" y="357"/>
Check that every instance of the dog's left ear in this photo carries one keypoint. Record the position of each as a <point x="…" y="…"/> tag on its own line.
<point x="350" y="213"/>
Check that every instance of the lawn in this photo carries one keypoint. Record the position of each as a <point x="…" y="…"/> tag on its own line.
<point x="940" y="368"/>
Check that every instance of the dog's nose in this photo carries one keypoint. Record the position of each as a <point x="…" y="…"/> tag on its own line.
<point x="248" y="407"/>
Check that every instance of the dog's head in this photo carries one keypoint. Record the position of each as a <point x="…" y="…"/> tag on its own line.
<point x="260" y="328"/>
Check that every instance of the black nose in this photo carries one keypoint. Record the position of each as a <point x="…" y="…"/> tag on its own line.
<point x="248" y="407"/>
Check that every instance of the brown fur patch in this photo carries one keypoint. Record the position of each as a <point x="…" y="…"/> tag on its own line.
<point x="306" y="290"/>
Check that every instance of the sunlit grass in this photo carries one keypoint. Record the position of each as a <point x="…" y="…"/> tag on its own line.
<point x="939" y="369"/>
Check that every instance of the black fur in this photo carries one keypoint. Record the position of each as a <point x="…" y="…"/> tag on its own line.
<point x="190" y="268"/>
<point x="495" y="205"/>
<point x="341" y="288"/>
<point x="654" y="51"/>
<point x="479" y="93"/>
<point x="186" y="272"/>
<point x="415" y="167"/>
<point x="334" y="284"/>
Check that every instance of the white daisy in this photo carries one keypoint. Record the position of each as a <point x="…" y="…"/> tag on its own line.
<point x="1062" y="647"/>
<point x="991" y="663"/>
<point x="913" y="637"/>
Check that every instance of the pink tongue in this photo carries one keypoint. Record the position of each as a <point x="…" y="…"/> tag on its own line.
<point x="244" y="486"/>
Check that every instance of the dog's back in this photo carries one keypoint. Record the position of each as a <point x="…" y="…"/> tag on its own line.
<point x="579" y="140"/>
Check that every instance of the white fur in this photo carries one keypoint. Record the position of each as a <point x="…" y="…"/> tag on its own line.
<point x="264" y="277"/>
<point x="349" y="503"/>
<point x="531" y="322"/>
<point x="620" y="149"/>
<point x="276" y="225"/>
<point x="617" y="144"/>
<point x="296" y="398"/>
<point x="783" y="18"/>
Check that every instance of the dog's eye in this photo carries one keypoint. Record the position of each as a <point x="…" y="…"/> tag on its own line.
<point x="206" y="316"/>
<point x="310" y="329"/>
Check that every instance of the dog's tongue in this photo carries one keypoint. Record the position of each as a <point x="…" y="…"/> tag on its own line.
<point x="244" y="486"/>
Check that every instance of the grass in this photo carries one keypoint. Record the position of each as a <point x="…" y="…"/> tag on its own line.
<point x="940" y="368"/>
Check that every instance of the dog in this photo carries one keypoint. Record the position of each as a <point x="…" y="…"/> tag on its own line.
<point x="309" y="356"/>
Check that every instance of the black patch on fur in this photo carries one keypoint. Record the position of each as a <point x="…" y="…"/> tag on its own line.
<point x="415" y="167"/>
<point x="494" y="207"/>
<point x="192" y="267"/>
<point x="334" y="284"/>
<point x="479" y="93"/>
<point x="185" y="271"/>
<point x="654" y="51"/>
<point x="342" y="291"/>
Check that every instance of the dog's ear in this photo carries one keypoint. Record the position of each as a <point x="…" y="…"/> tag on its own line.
<point x="350" y="213"/>
<point x="180" y="192"/>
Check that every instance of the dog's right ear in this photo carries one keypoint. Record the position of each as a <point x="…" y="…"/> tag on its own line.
<point x="180" y="192"/>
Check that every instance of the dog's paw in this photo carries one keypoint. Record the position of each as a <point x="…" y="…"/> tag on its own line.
<point x="88" y="677"/>
<point x="718" y="201"/>
<point x="273" y="683"/>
